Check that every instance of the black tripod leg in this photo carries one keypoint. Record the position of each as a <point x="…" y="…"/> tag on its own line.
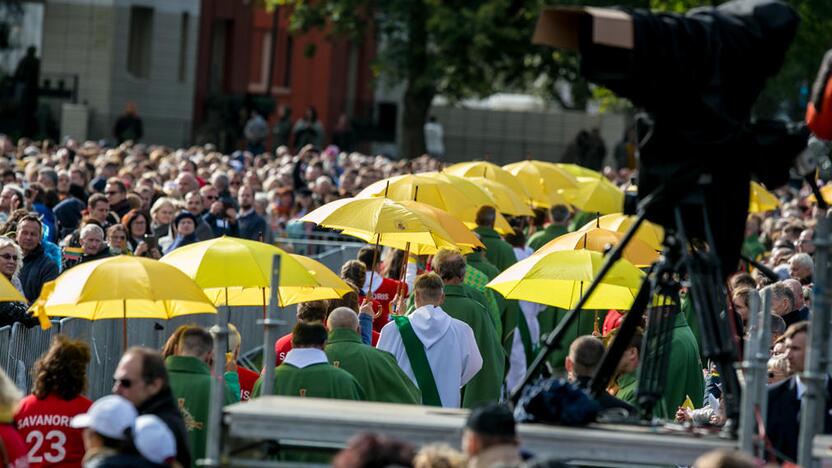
<point x="556" y="336"/>
<point x="632" y="320"/>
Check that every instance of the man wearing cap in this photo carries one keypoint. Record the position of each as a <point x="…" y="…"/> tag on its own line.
<point x="376" y="370"/>
<point x="108" y="427"/>
<point x="439" y="353"/>
<point x="306" y="371"/>
<point x="141" y="377"/>
<point x="490" y="437"/>
<point x="154" y="441"/>
<point x="190" y="380"/>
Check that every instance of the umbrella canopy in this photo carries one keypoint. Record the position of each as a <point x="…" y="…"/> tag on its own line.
<point x="462" y="238"/>
<point x="474" y="192"/>
<point x="244" y="268"/>
<point x="382" y="221"/>
<point x="649" y="233"/>
<point x="761" y="200"/>
<point x="559" y="279"/>
<point x="8" y="293"/>
<point x="328" y="286"/>
<point x="542" y="180"/>
<point x="578" y="171"/>
<point x="460" y="199"/>
<point x="507" y="198"/>
<point x="637" y="252"/>
<point x="596" y="194"/>
<point x="123" y="287"/>
<point x="489" y="171"/>
<point x="825" y="192"/>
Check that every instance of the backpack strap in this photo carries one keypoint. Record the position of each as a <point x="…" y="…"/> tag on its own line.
<point x="418" y="361"/>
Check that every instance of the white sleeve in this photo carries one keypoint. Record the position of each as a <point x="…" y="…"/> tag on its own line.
<point x="410" y="274"/>
<point x="389" y="339"/>
<point x="472" y="359"/>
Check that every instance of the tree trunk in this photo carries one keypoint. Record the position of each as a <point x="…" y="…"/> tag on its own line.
<point x="415" y="114"/>
<point x="421" y="85"/>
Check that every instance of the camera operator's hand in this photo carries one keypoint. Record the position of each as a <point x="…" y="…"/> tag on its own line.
<point x="216" y="209"/>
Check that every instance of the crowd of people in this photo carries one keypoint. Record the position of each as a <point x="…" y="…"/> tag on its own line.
<point x="426" y="331"/>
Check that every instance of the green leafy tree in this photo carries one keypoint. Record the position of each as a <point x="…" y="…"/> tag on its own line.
<point x="465" y="48"/>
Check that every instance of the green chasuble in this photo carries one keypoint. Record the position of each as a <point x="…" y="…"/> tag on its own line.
<point x="486" y="385"/>
<point x="477" y="260"/>
<point x="190" y="380"/>
<point x="508" y="310"/>
<point x="684" y="373"/>
<point x="752" y="247"/>
<point x="497" y="251"/>
<point x="475" y="282"/>
<point x="320" y="380"/>
<point x="375" y="370"/>
<point x="542" y="237"/>
<point x="584" y="324"/>
<point x="627" y="388"/>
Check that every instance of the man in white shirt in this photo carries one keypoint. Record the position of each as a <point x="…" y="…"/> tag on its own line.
<point x="433" y="138"/>
<point x="437" y="352"/>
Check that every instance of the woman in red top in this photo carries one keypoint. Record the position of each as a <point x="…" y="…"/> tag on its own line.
<point x="43" y="417"/>
<point x="12" y="447"/>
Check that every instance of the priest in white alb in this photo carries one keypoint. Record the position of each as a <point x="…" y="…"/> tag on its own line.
<point x="438" y="353"/>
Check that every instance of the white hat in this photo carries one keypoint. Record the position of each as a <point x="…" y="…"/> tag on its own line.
<point x="154" y="440"/>
<point x="110" y="416"/>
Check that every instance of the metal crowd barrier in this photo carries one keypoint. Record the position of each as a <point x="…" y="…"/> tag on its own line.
<point x="20" y="347"/>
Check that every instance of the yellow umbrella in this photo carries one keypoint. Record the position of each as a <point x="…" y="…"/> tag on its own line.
<point x="512" y="203"/>
<point x="651" y="234"/>
<point x="328" y="285"/>
<point x="488" y="171"/>
<point x="474" y="192"/>
<point x="637" y="252"/>
<point x="761" y="200"/>
<point x="242" y="269"/>
<point x="560" y="278"/>
<point x="596" y="195"/>
<point x="461" y="237"/>
<point x="826" y="193"/>
<point x="123" y="287"/>
<point x="381" y="221"/>
<point x="462" y="200"/>
<point x="542" y="180"/>
<point x="578" y="171"/>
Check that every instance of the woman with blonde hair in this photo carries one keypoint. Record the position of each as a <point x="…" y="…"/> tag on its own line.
<point x="11" y="260"/>
<point x="161" y="214"/>
<point x="15" y="453"/>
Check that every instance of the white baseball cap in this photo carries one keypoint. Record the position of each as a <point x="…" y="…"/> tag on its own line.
<point x="154" y="440"/>
<point x="110" y="416"/>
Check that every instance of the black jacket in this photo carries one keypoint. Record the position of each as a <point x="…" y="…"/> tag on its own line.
<point x="37" y="269"/>
<point x="163" y="405"/>
<point x="783" y="423"/>
<point x="120" y="209"/>
<point x="11" y="312"/>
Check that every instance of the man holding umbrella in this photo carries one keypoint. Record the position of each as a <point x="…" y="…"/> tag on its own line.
<point x="497" y="251"/>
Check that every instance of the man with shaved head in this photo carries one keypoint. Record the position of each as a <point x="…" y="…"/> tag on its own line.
<point x="377" y="371"/>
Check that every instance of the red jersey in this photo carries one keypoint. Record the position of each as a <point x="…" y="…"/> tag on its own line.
<point x="247" y="380"/>
<point x="15" y="447"/>
<point x="282" y="348"/>
<point x="384" y="295"/>
<point x="44" y="425"/>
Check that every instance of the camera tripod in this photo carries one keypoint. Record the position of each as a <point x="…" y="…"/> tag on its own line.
<point x="659" y="297"/>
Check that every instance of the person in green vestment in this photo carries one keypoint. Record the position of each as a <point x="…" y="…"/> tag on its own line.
<point x="684" y="373"/>
<point x="751" y="245"/>
<point x="558" y="222"/>
<point x="497" y="251"/>
<point x="375" y="370"/>
<point x="190" y="380"/>
<point x="486" y="384"/>
<point x="306" y="371"/>
<point x="626" y="378"/>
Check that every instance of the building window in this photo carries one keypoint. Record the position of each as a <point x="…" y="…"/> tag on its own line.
<point x="183" y="47"/>
<point x="140" y="41"/>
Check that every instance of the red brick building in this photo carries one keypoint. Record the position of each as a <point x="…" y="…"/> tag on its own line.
<point x="235" y="49"/>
